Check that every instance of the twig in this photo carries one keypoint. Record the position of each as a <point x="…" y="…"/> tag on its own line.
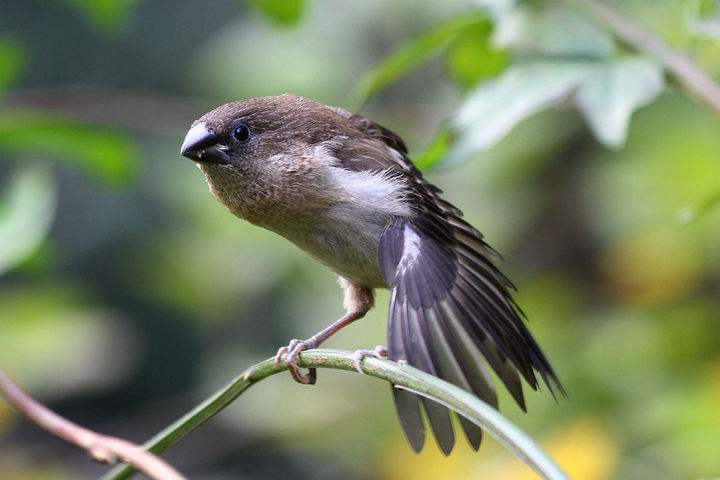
<point x="698" y="83"/>
<point x="101" y="448"/>
<point x="401" y="376"/>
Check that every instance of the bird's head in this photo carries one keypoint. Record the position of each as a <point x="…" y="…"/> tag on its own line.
<point x="239" y="134"/>
<point x="263" y="157"/>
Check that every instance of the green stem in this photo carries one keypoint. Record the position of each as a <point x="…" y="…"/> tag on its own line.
<point x="400" y="375"/>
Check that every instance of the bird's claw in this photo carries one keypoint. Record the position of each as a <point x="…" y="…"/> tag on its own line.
<point x="378" y="352"/>
<point x="291" y="355"/>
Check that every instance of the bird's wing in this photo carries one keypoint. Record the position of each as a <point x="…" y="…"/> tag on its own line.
<point x="451" y="310"/>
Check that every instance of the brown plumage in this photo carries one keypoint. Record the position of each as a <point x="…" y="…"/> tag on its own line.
<point x="343" y="189"/>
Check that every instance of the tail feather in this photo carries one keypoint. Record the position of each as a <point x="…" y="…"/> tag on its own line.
<point x="420" y="354"/>
<point x="407" y="406"/>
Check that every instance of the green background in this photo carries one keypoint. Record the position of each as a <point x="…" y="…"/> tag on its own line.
<point x="127" y="294"/>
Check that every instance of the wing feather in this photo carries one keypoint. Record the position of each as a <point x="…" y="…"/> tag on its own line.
<point x="421" y="356"/>
<point x="451" y="310"/>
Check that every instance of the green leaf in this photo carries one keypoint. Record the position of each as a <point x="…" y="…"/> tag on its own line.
<point x="106" y="15"/>
<point x="495" y="107"/>
<point x="606" y="92"/>
<point x="26" y="214"/>
<point x="613" y="91"/>
<point x="12" y="60"/>
<point x="552" y="31"/>
<point x="284" y="12"/>
<point x="435" y="152"/>
<point x="471" y="57"/>
<point x="104" y="154"/>
<point x="414" y="52"/>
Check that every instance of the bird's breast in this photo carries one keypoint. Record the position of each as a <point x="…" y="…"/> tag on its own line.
<point x="345" y="234"/>
<point x="335" y="215"/>
<point x="346" y="241"/>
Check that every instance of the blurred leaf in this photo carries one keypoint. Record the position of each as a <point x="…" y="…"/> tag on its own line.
<point x="62" y="344"/>
<point x="285" y="12"/>
<point x="586" y="448"/>
<point x="25" y="214"/>
<point x="416" y="51"/>
<point x="702" y="18"/>
<point x="552" y="31"/>
<point x="495" y="107"/>
<point x="497" y="8"/>
<point x="652" y="267"/>
<point x="689" y="215"/>
<point x="613" y="91"/>
<point x="106" y="155"/>
<point x="435" y="151"/>
<point x="709" y="28"/>
<point x="637" y="192"/>
<point x="471" y="58"/>
<point x="607" y="92"/>
<point x="703" y="7"/>
<point x="106" y="15"/>
<point x="12" y="60"/>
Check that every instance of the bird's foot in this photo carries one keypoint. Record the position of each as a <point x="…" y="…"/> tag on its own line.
<point x="378" y="352"/>
<point x="291" y="355"/>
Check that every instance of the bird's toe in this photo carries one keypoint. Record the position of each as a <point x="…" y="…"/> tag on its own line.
<point x="291" y="356"/>
<point x="378" y="352"/>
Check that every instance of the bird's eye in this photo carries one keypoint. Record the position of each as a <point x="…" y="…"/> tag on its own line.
<point x="241" y="133"/>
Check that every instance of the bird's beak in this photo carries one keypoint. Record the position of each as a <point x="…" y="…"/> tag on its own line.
<point x="201" y="145"/>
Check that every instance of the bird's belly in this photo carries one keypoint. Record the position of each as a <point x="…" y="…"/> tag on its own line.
<point x="349" y="248"/>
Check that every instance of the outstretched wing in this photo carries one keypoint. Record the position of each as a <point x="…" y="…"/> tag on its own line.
<point x="451" y="316"/>
<point x="451" y="311"/>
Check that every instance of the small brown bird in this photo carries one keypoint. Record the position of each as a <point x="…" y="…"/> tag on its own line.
<point x="343" y="189"/>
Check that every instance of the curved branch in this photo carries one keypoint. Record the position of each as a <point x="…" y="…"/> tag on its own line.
<point x="698" y="83"/>
<point x="101" y="448"/>
<point x="400" y="375"/>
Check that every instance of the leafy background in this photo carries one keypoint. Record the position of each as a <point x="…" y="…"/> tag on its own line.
<point x="127" y="294"/>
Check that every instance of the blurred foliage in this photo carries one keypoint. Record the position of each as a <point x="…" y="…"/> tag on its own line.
<point x="284" y="12"/>
<point x="462" y="33"/>
<point x="107" y="15"/>
<point x="12" y="60"/>
<point x="122" y="307"/>
<point x="557" y="55"/>
<point x="82" y="333"/>
<point x="25" y="214"/>
<point x="704" y="18"/>
<point x="471" y="58"/>
<point x="102" y="153"/>
<point x="586" y="449"/>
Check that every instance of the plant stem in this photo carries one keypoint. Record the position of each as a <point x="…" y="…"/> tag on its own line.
<point x="402" y="376"/>
<point x="101" y="448"/>
<point x="689" y="75"/>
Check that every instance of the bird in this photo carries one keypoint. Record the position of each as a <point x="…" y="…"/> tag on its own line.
<point x="343" y="189"/>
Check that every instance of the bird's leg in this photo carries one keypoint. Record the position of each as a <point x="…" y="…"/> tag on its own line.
<point x="378" y="352"/>
<point x="357" y="301"/>
<point x="291" y="353"/>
